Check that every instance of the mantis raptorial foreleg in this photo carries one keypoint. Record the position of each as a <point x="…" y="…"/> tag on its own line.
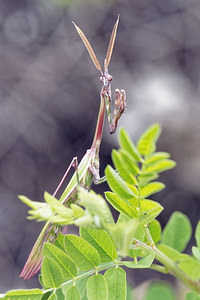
<point x="120" y="105"/>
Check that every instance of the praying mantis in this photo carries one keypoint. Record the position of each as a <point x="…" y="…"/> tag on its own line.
<point x="87" y="171"/>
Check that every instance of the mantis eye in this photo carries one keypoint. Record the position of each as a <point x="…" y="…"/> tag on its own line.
<point x="110" y="78"/>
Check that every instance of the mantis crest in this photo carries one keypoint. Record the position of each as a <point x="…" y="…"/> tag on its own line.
<point x="87" y="171"/>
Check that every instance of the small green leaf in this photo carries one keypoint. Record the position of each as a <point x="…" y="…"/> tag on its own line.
<point x="127" y="144"/>
<point x="191" y="267"/>
<point x="172" y="253"/>
<point x="34" y="294"/>
<point x="101" y="241"/>
<point x="96" y="205"/>
<point x="155" y="231"/>
<point x="196" y="252"/>
<point x="160" y="290"/>
<point x="143" y="179"/>
<point x="197" y="234"/>
<point x="145" y="262"/>
<point x="116" y="281"/>
<point x="85" y="255"/>
<point x="53" y="297"/>
<point x="73" y="293"/>
<point x="120" y="165"/>
<point x="151" y="188"/>
<point x="156" y="156"/>
<point x="159" y="166"/>
<point x="150" y="210"/>
<point x="59" y="294"/>
<point x="77" y="210"/>
<point x="128" y="162"/>
<point x="177" y="232"/>
<point x="147" y="142"/>
<point x="67" y="266"/>
<point x="192" y="296"/>
<point x="51" y="273"/>
<point x="60" y="241"/>
<point x="82" y="283"/>
<point x="30" y="203"/>
<point x="120" y="205"/>
<point x="97" y="288"/>
<point x="117" y="184"/>
<point x="58" y="207"/>
<point x="122" y="234"/>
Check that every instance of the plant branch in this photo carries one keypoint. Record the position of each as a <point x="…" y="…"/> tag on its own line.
<point x="169" y="265"/>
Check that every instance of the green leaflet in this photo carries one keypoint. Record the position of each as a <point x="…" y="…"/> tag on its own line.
<point x="143" y="179"/>
<point x="67" y="266"/>
<point x="59" y="242"/>
<point x="53" y="297"/>
<point x="191" y="267"/>
<point x="96" y="205"/>
<point x="130" y="164"/>
<point x="150" y="210"/>
<point x="34" y="294"/>
<point x="160" y="290"/>
<point x="77" y="210"/>
<point x="97" y="288"/>
<point x="155" y="231"/>
<point x="192" y="296"/>
<point x="159" y="166"/>
<point x="177" y="232"/>
<point x="147" y="142"/>
<point x="116" y="281"/>
<point x="51" y="273"/>
<point x="59" y="294"/>
<point x="127" y="144"/>
<point x="58" y="207"/>
<point x="145" y="262"/>
<point x="117" y="184"/>
<point x="122" y="234"/>
<point x="185" y="262"/>
<point x="151" y="188"/>
<point x="197" y="234"/>
<point x="102" y="242"/>
<point x="81" y="284"/>
<point x="73" y="293"/>
<point x="85" y="255"/>
<point x="172" y="253"/>
<point x="120" y="205"/>
<point x="196" y="252"/>
<point x="156" y="157"/>
<point x="122" y="168"/>
<point x="30" y="203"/>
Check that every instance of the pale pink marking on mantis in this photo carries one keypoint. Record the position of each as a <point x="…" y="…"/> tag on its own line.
<point x="89" y="165"/>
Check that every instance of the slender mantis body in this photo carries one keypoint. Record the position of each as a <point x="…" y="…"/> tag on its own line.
<point x="88" y="168"/>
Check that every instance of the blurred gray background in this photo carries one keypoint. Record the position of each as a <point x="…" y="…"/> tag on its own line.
<point x="49" y="98"/>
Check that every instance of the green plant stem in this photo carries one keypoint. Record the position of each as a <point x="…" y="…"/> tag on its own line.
<point x="102" y="267"/>
<point x="170" y="265"/>
<point x="149" y="237"/>
<point x="159" y="268"/>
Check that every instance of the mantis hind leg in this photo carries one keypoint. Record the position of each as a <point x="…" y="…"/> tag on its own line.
<point x="74" y="164"/>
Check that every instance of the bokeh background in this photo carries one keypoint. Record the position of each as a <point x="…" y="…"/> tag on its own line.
<point x="49" y="98"/>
